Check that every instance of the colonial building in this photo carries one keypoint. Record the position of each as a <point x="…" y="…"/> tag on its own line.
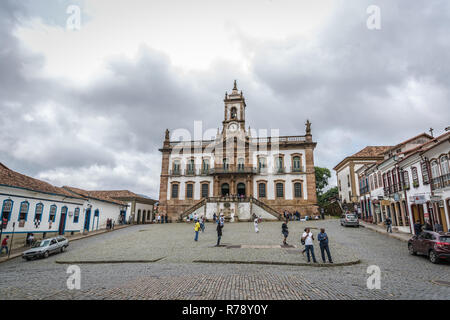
<point x="346" y="171"/>
<point x="139" y="207"/>
<point x="411" y="183"/>
<point x="29" y="205"/>
<point x="266" y="174"/>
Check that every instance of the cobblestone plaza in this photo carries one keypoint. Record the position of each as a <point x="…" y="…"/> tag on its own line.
<point x="160" y="261"/>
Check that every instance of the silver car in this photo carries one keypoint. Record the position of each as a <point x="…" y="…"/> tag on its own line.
<point x="45" y="247"/>
<point x="349" y="219"/>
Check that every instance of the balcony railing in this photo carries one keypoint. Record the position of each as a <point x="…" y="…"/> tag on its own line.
<point x="440" y="182"/>
<point x="175" y="172"/>
<point x="225" y="170"/>
<point x="279" y="170"/>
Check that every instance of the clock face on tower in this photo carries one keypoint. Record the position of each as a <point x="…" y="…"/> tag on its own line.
<point x="232" y="126"/>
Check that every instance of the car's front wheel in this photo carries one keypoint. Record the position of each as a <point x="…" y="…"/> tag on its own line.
<point x="411" y="250"/>
<point x="46" y="254"/>
<point x="433" y="257"/>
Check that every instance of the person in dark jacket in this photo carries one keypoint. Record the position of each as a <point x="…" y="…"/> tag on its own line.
<point x="417" y="228"/>
<point x="284" y="232"/>
<point x="219" y="233"/>
<point x="388" y="225"/>
<point x="323" y="242"/>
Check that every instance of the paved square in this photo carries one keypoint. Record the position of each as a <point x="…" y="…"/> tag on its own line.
<point x="176" y="276"/>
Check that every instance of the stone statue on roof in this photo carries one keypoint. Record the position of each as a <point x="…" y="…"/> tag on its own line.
<point x="308" y="127"/>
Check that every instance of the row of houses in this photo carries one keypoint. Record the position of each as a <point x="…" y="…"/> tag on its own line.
<point x="29" y="205"/>
<point x="408" y="182"/>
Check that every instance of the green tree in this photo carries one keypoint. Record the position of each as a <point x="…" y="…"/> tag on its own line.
<point x="322" y="176"/>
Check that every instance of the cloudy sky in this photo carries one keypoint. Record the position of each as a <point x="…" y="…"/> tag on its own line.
<point x="89" y="107"/>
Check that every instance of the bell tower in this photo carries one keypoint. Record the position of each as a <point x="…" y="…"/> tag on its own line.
<point x="234" y="119"/>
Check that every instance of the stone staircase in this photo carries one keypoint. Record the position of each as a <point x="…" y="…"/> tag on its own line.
<point x="249" y="201"/>
<point x="192" y="209"/>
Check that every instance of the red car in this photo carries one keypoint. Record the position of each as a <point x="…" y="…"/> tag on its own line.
<point x="436" y="246"/>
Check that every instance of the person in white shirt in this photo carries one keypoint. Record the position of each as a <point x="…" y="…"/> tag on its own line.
<point x="308" y="237"/>
<point x="255" y="223"/>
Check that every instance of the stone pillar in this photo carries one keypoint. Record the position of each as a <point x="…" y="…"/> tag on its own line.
<point x="310" y="178"/>
<point x="164" y="178"/>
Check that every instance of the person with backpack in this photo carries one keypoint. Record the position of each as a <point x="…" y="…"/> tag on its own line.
<point x="308" y="237"/>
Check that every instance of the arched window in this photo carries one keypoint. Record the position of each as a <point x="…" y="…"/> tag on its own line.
<point x="205" y="190"/>
<point x="415" y="177"/>
<point x="189" y="190"/>
<point x="445" y="170"/>
<point x="191" y="166"/>
<point x="241" y="162"/>
<point x="262" y="163"/>
<point x="261" y="190"/>
<point x="205" y="166"/>
<point x="52" y="214"/>
<point x="23" y="212"/>
<point x="296" y="164"/>
<point x="175" y="189"/>
<point x="225" y="164"/>
<point x="38" y="212"/>
<point x="444" y="165"/>
<point x="380" y="182"/>
<point x="176" y="167"/>
<point x="233" y="113"/>
<point x="76" y="215"/>
<point x="297" y="190"/>
<point x="434" y="169"/>
<point x="7" y="209"/>
<point x="279" y="190"/>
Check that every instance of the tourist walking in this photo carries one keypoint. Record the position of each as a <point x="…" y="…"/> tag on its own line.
<point x="284" y="232"/>
<point x="4" y="245"/>
<point x="221" y="220"/>
<point x="196" y="229"/>
<point x="302" y="241"/>
<point x="323" y="243"/>
<point x="255" y="223"/>
<point x="388" y="225"/>
<point x="30" y="239"/>
<point x="309" y="237"/>
<point x="219" y="233"/>
<point x="214" y="217"/>
<point x="202" y="223"/>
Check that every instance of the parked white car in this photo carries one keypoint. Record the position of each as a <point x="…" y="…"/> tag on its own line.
<point x="45" y="247"/>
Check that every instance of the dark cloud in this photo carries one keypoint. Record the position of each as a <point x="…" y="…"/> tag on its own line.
<point x="358" y="87"/>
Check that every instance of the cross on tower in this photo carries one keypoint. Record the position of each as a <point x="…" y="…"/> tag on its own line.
<point x="431" y="131"/>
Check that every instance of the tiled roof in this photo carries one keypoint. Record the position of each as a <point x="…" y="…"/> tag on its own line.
<point x="123" y="195"/>
<point x="11" y="178"/>
<point x="97" y="195"/>
<point x="371" y="151"/>
<point x="427" y="145"/>
<point x="426" y="135"/>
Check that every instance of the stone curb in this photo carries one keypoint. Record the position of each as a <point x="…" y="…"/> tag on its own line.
<point x="392" y="235"/>
<point x="107" y="261"/>
<point x="19" y="254"/>
<point x="275" y="263"/>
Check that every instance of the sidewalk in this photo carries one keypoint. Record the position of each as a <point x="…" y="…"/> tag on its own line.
<point x="396" y="235"/>
<point x="18" y="251"/>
